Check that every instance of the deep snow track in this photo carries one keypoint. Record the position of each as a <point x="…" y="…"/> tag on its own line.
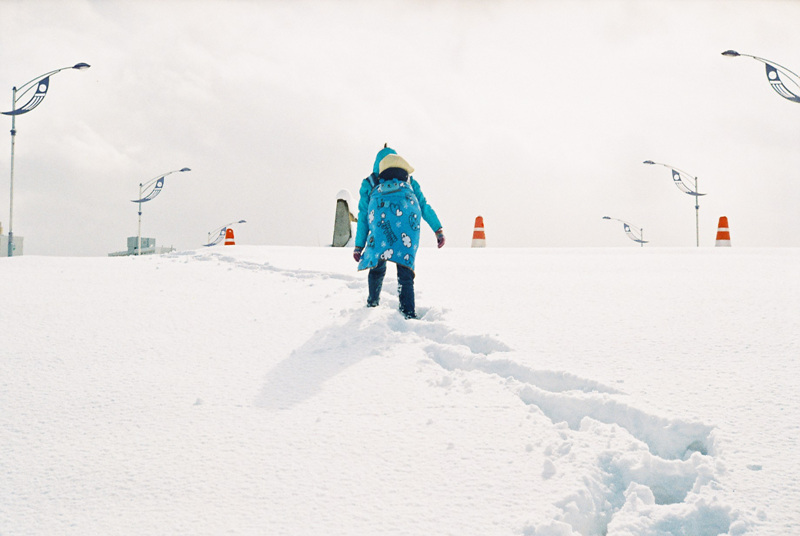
<point x="629" y="471"/>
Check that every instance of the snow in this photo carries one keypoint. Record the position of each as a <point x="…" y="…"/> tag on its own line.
<point x="345" y="195"/>
<point x="546" y="392"/>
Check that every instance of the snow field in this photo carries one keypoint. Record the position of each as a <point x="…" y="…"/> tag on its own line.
<point x="247" y="390"/>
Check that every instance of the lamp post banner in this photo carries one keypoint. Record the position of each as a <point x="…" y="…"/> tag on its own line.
<point x="679" y="183"/>
<point x="682" y="186"/>
<point x="41" y="91"/>
<point x="219" y="237"/>
<point x="638" y="238"/>
<point x="777" y="84"/>
<point x="628" y="231"/>
<point x="153" y="193"/>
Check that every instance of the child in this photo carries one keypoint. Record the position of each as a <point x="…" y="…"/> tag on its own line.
<point x="390" y="207"/>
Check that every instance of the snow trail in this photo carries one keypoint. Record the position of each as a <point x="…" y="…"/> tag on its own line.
<point x="675" y="463"/>
<point x="651" y="472"/>
<point x="253" y="388"/>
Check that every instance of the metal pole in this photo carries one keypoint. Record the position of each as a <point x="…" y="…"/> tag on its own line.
<point x="11" y="195"/>
<point x="139" y="234"/>
<point x="697" y="212"/>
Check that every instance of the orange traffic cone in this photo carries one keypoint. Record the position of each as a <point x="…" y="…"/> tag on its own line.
<point x="478" y="235"/>
<point x="229" y="237"/>
<point x="723" y="234"/>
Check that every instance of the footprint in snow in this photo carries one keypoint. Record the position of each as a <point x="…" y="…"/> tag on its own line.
<point x="672" y="462"/>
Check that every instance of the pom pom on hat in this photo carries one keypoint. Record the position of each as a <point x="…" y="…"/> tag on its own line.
<point x="395" y="161"/>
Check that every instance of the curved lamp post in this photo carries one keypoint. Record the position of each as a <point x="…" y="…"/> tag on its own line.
<point x="220" y="232"/>
<point x="677" y="178"/>
<point x="629" y="230"/>
<point x="159" y="184"/>
<point x="774" y="72"/>
<point x="42" y="84"/>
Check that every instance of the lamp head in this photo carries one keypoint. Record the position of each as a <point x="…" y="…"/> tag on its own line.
<point x="650" y="162"/>
<point x="242" y="221"/>
<point x="606" y="218"/>
<point x="185" y="169"/>
<point x="731" y="53"/>
<point x="81" y="66"/>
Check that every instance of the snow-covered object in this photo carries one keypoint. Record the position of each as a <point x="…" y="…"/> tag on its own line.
<point x="345" y="195"/>
<point x="343" y="232"/>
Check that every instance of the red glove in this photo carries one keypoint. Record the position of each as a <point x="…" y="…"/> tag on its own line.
<point x="439" y="238"/>
<point x="357" y="254"/>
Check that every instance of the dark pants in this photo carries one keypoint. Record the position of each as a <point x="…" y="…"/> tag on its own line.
<point x="405" y="287"/>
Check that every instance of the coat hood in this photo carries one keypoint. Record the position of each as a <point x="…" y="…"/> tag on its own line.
<point x="381" y="155"/>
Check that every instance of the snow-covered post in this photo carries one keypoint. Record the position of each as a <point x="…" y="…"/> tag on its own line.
<point x="342" y="225"/>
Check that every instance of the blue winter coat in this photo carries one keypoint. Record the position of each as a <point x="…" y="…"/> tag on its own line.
<point x="388" y="218"/>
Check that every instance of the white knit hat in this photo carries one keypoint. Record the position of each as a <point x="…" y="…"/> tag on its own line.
<point x="394" y="161"/>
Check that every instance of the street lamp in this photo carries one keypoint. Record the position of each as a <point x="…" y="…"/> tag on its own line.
<point x="774" y="72"/>
<point x="683" y="187"/>
<point x="629" y="230"/>
<point x="220" y="232"/>
<point x="159" y="184"/>
<point x="42" y="84"/>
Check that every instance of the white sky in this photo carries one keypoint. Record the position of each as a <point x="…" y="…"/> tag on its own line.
<point x="535" y="115"/>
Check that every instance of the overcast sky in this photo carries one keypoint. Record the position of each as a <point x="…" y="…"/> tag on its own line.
<point x="536" y="115"/>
